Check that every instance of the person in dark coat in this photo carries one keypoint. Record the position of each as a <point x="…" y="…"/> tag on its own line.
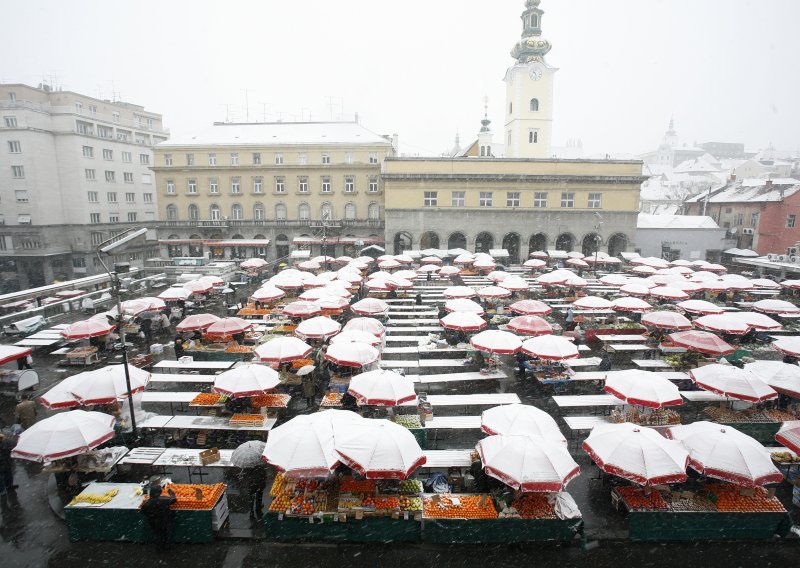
<point x="254" y="481"/>
<point x="7" y="444"/>
<point x="418" y="299"/>
<point x="522" y="363"/>
<point x="309" y="389"/>
<point x="159" y="515"/>
<point x="179" y="351"/>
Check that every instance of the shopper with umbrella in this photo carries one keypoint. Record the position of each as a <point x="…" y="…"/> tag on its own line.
<point x="253" y="476"/>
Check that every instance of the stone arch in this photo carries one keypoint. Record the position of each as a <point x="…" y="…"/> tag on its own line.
<point x="591" y="243"/>
<point x="402" y="241"/>
<point x="429" y="239"/>
<point x="195" y="249"/>
<point x="484" y="242"/>
<point x="511" y="244"/>
<point x="617" y="243"/>
<point x="537" y="242"/>
<point x="174" y="250"/>
<point x="457" y="240"/>
<point x="281" y="247"/>
<point x="565" y="241"/>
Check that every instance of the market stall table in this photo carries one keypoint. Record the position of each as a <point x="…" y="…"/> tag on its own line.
<point x="27" y="342"/>
<point x="615" y="338"/>
<point x="82" y="356"/>
<point x="457" y="377"/>
<point x="96" y="461"/>
<point x="194" y="365"/>
<point x="181" y="378"/>
<point x="651" y="364"/>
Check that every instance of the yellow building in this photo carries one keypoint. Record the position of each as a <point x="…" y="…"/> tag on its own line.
<point x="234" y="189"/>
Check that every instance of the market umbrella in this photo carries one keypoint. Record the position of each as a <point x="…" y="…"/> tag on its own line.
<point x="723" y="452"/>
<point x="302" y="309"/>
<point x="463" y="305"/>
<point x="107" y="384"/>
<point x="591" y="303"/>
<point x="667" y="319"/>
<point x="643" y="270"/>
<point x="528" y="463"/>
<point x="700" y="307"/>
<point x="248" y="379"/>
<point x="775" y="307"/>
<point x="355" y="336"/>
<point x="320" y="327"/>
<point x="213" y="280"/>
<point x="484" y="263"/>
<point x="286" y="281"/>
<point x="175" y="293"/>
<point x="304" y="445"/>
<point x="253" y="263"/>
<point x="550" y="347"/>
<point x="722" y="323"/>
<point x="644" y="388"/>
<point x="403" y="259"/>
<point x="431" y="260"/>
<point x="539" y="254"/>
<point x="614" y="279"/>
<point x="789" y="435"/>
<point x="529" y="325"/>
<point x="494" y="292"/>
<point x="382" y="388"/>
<point x="687" y="286"/>
<point x="715" y="267"/>
<point x="459" y="292"/>
<point x="788" y="345"/>
<point x="630" y="304"/>
<point x="637" y="453"/>
<point x="731" y="381"/>
<point x="198" y="286"/>
<point x="390" y="263"/>
<point x="669" y="293"/>
<point x="765" y="283"/>
<point x="10" y="353"/>
<point x="555" y="277"/>
<point x="60" y="396"/>
<point x="509" y="419"/>
<point x="370" y="307"/>
<point x="428" y="268"/>
<point x="449" y="270"/>
<point x="534" y="263"/>
<point x="282" y="350"/>
<point x="136" y="307"/>
<point x="332" y="302"/>
<point x="87" y="328"/>
<point x="530" y="308"/>
<point x="352" y="354"/>
<point x="464" y="259"/>
<point x="196" y="321"/>
<point x="378" y="449"/>
<point x="701" y="341"/>
<point x="370" y="325"/>
<point x="309" y="265"/>
<point x="577" y="262"/>
<point x="64" y="435"/>
<point x="379" y="285"/>
<point x="515" y="284"/>
<point x="268" y="293"/>
<point x="635" y="289"/>
<point x="496" y="341"/>
<point x="227" y="327"/>
<point x="463" y="321"/>
<point x="756" y="320"/>
<point x="783" y="377"/>
<point x="248" y="454"/>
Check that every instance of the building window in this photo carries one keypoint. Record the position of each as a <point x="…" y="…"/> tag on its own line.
<point x="90" y="174"/>
<point x="131" y="217"/>
<point x="172" y="213"/>
<point x="258" y="212"/>
<point x="21" y="195"/>
<point x="10" y="121"/>
<point x="485" y="199"/>
<point x="280" y="212"/>
<point x="326" y="159"/>
<point x="431" y="199"/>
<point x="256" y="158"/>
<point x="534" y="105"/>
<point x="147" y="197"/>
<point x="304" y="212"/>
<point x="373" y="211"/>
<point x="167" y="159"/>
<point x="111" y="176"/>
<point x="212" y="159"/>
<point x="234" y="158"/>
<point x="348" y="158"/>
<point x="192" y="186"/>
<point x="213" y="185"/>
<point x="568" y="200"/>
<point x="458" y="198"/>
<point x="302" y="186"/>
<point x="113" y="217"/>
<point x="512" y="199"/>
<point x="326" y="211"/>
<point x="111" y="196"/>
<point x="236" y="186"/>
<point x="94" y="218"/>
<point x="280" y="185"/>
<point x="79" y="108"/>
<point x="237" y="212"/>
<point x="739" y="219"/>
<point x="194" y="212"/>
<point x="14" y="146"/>
<point x="108" y="154"/>
<point x="791" y="221"/>
<point x="189" y="159"/>
<point x="540" y="199"/>
<point x="215" y="212"/>
<point x="93" y="109"/>
<point x="147" y="179"/>
<point x="258" y="185"/>
<point x="130" y="197"/>
<point x="97" y="237"/>
<point x="349" y="211"/>
<point x="278" y="159"/>
<point x="88" y="152"/>
<point x="302" y="159"/>
<point x="78" y="262"/>
<point x="126" y="157"/>
<point x="349" y="184"/>
<point x="373" y="158"/>
<point x="170" y="187"/>
<point x="115" y="116"/>
<point x="144" y="159"/>
<point x="326" y="184"/>
<point x="595" y="200"/>
<point x="128" y="177"/>
<point x="93" y="198"/>
<point x="373" y="184"/>
<point x="753" y="219"/>
<point x="533" y="136"/>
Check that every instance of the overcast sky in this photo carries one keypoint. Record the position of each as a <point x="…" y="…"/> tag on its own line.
<point x="725" y="69"/>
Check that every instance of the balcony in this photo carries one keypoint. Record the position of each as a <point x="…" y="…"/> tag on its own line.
<point x="276" y="223"/>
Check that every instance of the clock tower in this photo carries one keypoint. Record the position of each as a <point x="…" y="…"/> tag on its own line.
<point x="529" y="91"/>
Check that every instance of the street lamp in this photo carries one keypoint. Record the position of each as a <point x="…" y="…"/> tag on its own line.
<point x="106" y="247"/>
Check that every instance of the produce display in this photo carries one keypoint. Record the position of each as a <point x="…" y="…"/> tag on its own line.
<point x="207" y="399"/>
<point x="277" y="484"/>
<point x="635" y="499"/>
<point x="351" y="485"/>
<point x="785" y="457"/>
<point x="270" y="400"/>
<point x="729" y="498"/>
<point x="236" y="348"/>
<point x="194" y="496"/>
<point x="408" y="420"/>
<point x="410" y="486"/>
<point x="95" y="498"/>
<point x="750" y="415"/>
<point x="331" y="399"/>
<point x="450" y="506"/>
<point x="299" y="363"/>
<point x="689" y="503"/>
<point x="247" y="420"/>
<point x="658" y="417"/>
<point x="531" y="506"/>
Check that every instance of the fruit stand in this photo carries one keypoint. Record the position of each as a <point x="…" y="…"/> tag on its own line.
<point x="591" y="333"/>
<point x="717" y="512"/>
<point x="111" y="512"/>
<point x="221" y="352"/>
<point x="759" y="423"/>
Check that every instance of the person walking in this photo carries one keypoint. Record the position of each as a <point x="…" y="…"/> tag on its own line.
<point x="309" y="389"/>
<point x="570" y="319"/>
<point x="254" y="481"/>
<point x="159" y="515"/>
<point x="7" y="444"/>
<point x="25" y="412"/>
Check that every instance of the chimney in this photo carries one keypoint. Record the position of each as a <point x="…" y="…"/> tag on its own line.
<point x="768" y="184"/>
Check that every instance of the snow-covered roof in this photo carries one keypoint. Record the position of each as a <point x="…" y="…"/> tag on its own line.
<point x="647" y="221"/>
<point x="278" y="134"/>
<point x="751" y="190"/>
<point x="696" y="166"/>
<point x="740" y="252"/>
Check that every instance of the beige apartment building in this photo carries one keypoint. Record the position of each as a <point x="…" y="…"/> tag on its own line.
<point x="241" y="190"/>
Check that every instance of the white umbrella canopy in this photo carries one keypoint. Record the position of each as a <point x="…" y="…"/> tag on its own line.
<point x="756" y="320"/>
<point x="226" y="327"/>
<point x="87" y="328"/>
<point x="788" y="345"/>
<point x="428" y="268"/>
<point x="614" y="279"/>
<point x="765" y="283"/>
<point x="550" y="347"/>
<point x="464" y="259"/>
<point x="530" y="308"/>
<point x="529" y="325"/>
<point x="176" y="293"/>
<point x="463" y="321"/>
<point x="731" y="381"/>
<point x="249" y="379"/>
<point x="669" y="293"/>
<point x="268" y="293"/>
<point x="352" y="354"/>
<point x="637" y="453"/>
<point x="496" y="341"/>
<point x="449" y="270"/>
<point x="304" y="446"/>
<point x="107" y="384"/>
<point x="459" y="292"/>
<point x="644" y="388"/>
<point x="534" y="263"/>
<point x="319" y="327"/>
<point x="405" y="274"/>
<point x="198" y="286"/>
<point x="253" y="263"/>
<point x="64" y="435"/>
<point x="370" y="306"/>
<point x="591" y="303"/>
<point x="514" y="283"/>
<point x="380" y="285"/>
<point x="60" y="396"/>
<point x="248" y="454"/>
<point x="382" y="388"/>
<point x="687" y="286"/>
<point x="555" y="277"/>
<point x="789" y="435"/>
<point x="723" y="452"/>
<point x="355" y="336"/>
<point x="196" y="321"/>
<point x="775" y="307"/>
<point x="332" y="302"/>
<point x="282" y="350"/>
<point x="630" y="304"/>
<point x="667" y="320"/>
<point x="635" y="289"/>
<point x="498" y="275"/>
<point x="722" y="323"/>
<point x="370" y="325"/>
<point x="783" y="377"/>
<point x="510" y="419"/>
<point x="528" y="463"/>
<point x="302" y="308"/>
<point x="700" y="307"/>
<point x="463" y="305"/>
<point x="378" y="449"/>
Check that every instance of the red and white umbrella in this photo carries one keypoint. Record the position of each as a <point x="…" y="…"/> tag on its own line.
<point x="681" y="262"/>
<point x="249" y="379"/>
<point x="756" y="320"/>
<point x="464" y="259"/>
<point x="723" y="452"/>
<point x="591" y="303"/>
<point x="775" y="307"/>
<point x="534" y="263"/>
<point x="703" y="276"/>
<point x="10" y="353"/>
<point x="463" y="305"/>
<point x="449" y="270"/>
<point x="575" y="281"/>
<point x="635" y="289"/>
<point x="722" y="323"/>
<point x="352" y="354"/>
<point x="687" y="286"/>
<point x="380" y="285"/>
<point x="198" y="286"/>
<point x="370" y="325"/>
<point x="349" y="277"/>
<point x="390" y="263"/>
<point x="630" y="304"/>
<point x="555" y="278"/>
<point x="382" y="388"/>
<point x="87" y="328"/>
<point x="253" y="263"/>
<point x="175" y="293"/>
<point x="527" y="463"/>
<point x="405" y="274"/>
<point x="668" y="293"/>
<point x="667" y="320"/>
<point x="733" y="382"/>
<point x="539" y="254"/>
<point x="302" y="309"/>
<point x="385" y="257"/>
<point x="788" y="345"/>
<point x="494" y="292"/>
<point x="332" y="302"/>
<point x="107" y="384"/>
<point x="286" y="281"/>
<point x="614" y="279"/>
<point x="463" y="321"/>
<point x="305" y="445"/>
<point x="644" y="388"/>
<point x="355" y="336"/>
<point x="139" y="306"/>
<point x="331" y="289"/>
<point x="510" y="419"/>
<point x="530" y="308"/>
<point x="459" y="292"/>
<point x="529" y="325"/>
<point x="701" y="341"/>
<point x="715" y="268"/>
<point x="378" y="449"/>
<point x="700" y="307"/>
<point x="370" y="307"/>
<point x="789" y="435"/>
<point x="309" y="265"/>
<point x="314" y="282"/>
<point x="282" y="350"/>
<point x="496" y="341"/>
<point x="213" y="280"/>
<point x="64" y="435"/>
<point x="643" y="270"/>
<point x="765" y="283"/>
<point x="403" y="259"/>
<point x="431" y="260"/>
<point x="268" y="293"/>
<point x="514" y="283"/>
<point x="319" y="327"/>
<point x="550" y="347"/>
<point x="428" y="269"/>
<point x="484" y="264"/>
<point x="196" y="321"/>
<point x="343" y="259"/>
<point x="400" y="282"/>
<point x="60" y="396"/>
<point x="577" y="262"/>
<point x="791" y="284"/>
<point x="783" y="377"/>
<point x="637" y="453"/>
<point x="227" y="327"/>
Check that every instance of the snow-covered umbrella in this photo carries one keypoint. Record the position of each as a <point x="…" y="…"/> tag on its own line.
<point x="249" y="379"/>
<point x="496" y="341"/>
<point x="382" y="388"/>
<point x="302" y="309"/>
<point x="635" y="289"/>
<point x="332" y="302"/>
<point x="668" y="293"/>
<point x="390" y="263"/>
<point x="196" y="321"/>
<point x="514" y="283"/>
<point x="253" y="263"/>
<point x="351" y="354"/>
<point x="463" y="321"/>
<point x="510" y="419"/>
<point x="378" y="449"/>
<point x="380" y="285"/>
<point x="247" y="454"/>
<point x="727" y="380"/>
<point x="355" y="336"/>
<point x="459" y="292"/>
<point x="449" y="270"/>
<point x="643" y="388"/>
<point x="765" y="283"/>
<point x="630" y="304"/>
<point x="176" y="293"/>
<point x="431" y="260"/>
<point x="60" y="396"/>
<point x="319" y="327"/>
<point x="756" y="320"/>
<point x="268" y="293"/>
<point x="775" y="307"/>
<point x="700" y="307"/>
<point x="530" y="308"/>
<point x="463" y="305"/>
<point x="783" y="377"/>
<point x="227" y="327"/>
<point x="87" y="328"/>
<point x="107" y="384"/>
<point x="370" y="325"/>
<point x="494" y="292"/>
<point x="528" y="463"/>
<point x="667" y="319"/>
<point x="529" y="325"/>
<point x="789" y="435"/>
<point x="370" y="307"/>
<point x="701" y="341"/>
<point x="198" y="286"/>
<point x="722" y="323"/>
<point x="788" y="345"/>
<point x="591" y="303"/>
<point x="550" y="347"/>
<point x="282" y="350"/>
<point x="534" y="263"/>
<point x="64" y="435"/>
<point x="614" y="279"/>
<point x="577" y="262"/>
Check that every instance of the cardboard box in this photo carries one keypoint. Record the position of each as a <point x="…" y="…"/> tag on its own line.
<point x="210" y="455"/>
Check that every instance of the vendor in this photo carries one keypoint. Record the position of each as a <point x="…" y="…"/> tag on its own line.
<point x="179" y="350"/>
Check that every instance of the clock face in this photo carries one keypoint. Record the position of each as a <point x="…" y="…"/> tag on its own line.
<point x="535" y="71"/>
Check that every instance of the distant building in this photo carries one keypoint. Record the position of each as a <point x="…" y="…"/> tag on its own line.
<point x="680" y="236"/>
<point x="722" y="150"/>
<point x="670" y="152"/>
<point x="75" y="171"/>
